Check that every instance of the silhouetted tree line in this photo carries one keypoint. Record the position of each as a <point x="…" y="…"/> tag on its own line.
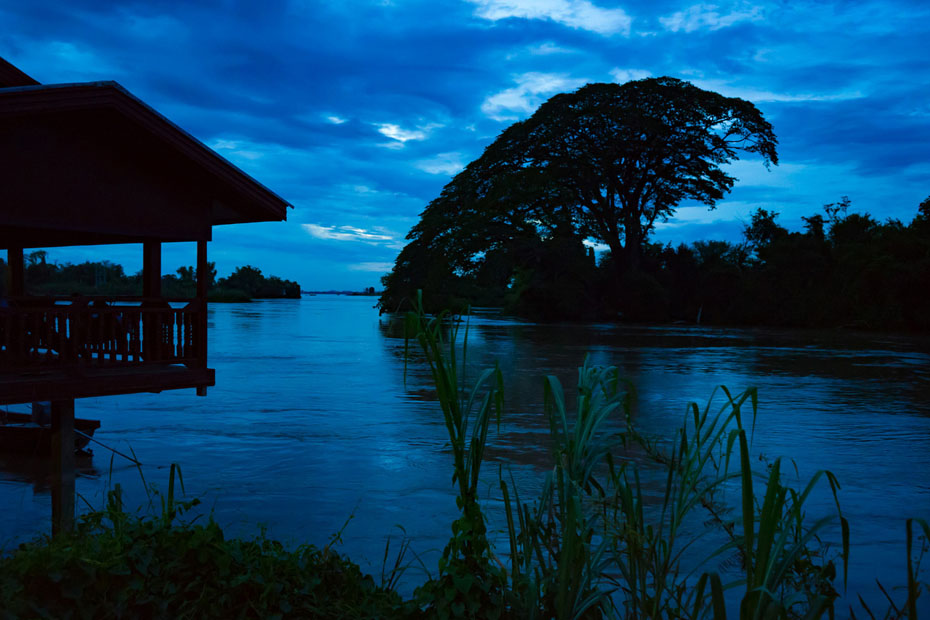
<point x="843" y="269"/>
<point x="107" y="278"/>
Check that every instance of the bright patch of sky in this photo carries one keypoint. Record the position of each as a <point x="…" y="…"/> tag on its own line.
<point x="359" y="112"/>
<point x="622" y="76"/>
<point x="372" y="267"/>
<point x="395" y="132"/>
<point x="446" y="164"/>
<point x="579" y="14"/>
<point x="347" y="233"/>
<point x="710" y="17"/>
<point x="531" y="90"/>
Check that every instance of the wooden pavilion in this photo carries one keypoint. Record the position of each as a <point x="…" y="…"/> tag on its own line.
<point x="90" y="164"/>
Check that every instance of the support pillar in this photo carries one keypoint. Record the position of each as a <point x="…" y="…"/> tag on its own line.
<point x="17" y="269"/>
<point x="151" y="269"/>
<point x="203" y="277"/>
<point x="151" y="293"/>
<point x="62" y="466"/>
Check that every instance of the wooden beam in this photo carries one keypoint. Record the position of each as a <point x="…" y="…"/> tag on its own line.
<point x="62" y="466"/>
<point x="103" y="382"/>
<point x="151" y="269"/>
<point x="17" y="269"/>
<point x="203" y="278"/>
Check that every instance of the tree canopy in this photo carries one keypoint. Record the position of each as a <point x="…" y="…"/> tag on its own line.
<point x="605" y="162"/>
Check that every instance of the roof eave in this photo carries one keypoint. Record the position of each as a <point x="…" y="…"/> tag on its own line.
<point x="58" y="97"/>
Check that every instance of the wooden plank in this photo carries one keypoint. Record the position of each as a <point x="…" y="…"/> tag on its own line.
<point x="66" y="384"/>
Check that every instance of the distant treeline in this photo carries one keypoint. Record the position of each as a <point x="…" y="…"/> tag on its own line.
<point x="106" y="278"/>
<point x="844" y="269"/>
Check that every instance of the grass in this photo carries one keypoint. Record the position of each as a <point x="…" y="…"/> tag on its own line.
<point x="600" y="540"/>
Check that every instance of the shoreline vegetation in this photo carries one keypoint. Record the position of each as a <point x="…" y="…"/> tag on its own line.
<point x="604" y="538"/>
<point x="845" y="269"/>
<point x="107" y="278"/>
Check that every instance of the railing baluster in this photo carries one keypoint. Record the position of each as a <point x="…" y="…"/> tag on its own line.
<point x="99" y="336"/>
<point x="189" y="335"/>
<point x="179" y="336"/>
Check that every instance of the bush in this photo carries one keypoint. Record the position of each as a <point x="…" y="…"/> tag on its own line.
<point x="119" y="566"/>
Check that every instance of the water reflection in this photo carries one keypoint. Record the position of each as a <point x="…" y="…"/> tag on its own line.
<point x="313" y="421"/>
<point x="17" y="469"/>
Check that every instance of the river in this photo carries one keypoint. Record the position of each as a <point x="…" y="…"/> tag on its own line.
<point x="312" y="426"/>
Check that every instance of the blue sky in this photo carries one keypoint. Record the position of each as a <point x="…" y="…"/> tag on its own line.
<point x="358" y="112"/>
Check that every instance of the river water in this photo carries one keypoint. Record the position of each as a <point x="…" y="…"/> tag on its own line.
<point x="312" y="425"/>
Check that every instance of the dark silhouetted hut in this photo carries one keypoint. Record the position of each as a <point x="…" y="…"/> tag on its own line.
<point x="90" y="164"/>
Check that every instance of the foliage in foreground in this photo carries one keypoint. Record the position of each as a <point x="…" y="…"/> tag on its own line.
<point x="117" y="565"/>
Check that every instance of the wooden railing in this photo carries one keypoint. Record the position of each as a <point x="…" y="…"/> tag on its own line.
<point x="101" y="332"/>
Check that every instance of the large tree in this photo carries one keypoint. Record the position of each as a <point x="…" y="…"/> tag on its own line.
<point x="606" y="162"/>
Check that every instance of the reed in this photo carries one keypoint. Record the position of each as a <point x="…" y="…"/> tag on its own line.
<point x="592" y="544"/>
<point x="470" y="583"/>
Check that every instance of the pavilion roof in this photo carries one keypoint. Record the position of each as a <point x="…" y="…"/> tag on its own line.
<point x="104" y="115"/>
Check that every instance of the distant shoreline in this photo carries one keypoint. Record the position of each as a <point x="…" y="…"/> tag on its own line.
<point x="348" y="293"/>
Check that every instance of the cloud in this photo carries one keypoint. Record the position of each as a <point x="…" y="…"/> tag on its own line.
<point x="527" y="95"/>
<point x="335" y="120"/>
<point x="401" y="136"/>
<point x="443" y="163"/>
<point x="372" y="266"/>
<point x="395" y="132"/>
<point x="579" y="14"/>
<point x="709" y="17"/>
<point x="65" y="61"/>
<point x="348" y="233"/>
<point x="623" y="76"/>
<point x="549" y="48"/>
<point x="757" y="95"/>
<point x="232" y="149"/>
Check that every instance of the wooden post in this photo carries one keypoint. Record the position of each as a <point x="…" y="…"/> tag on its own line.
<point x="17" y="268"/>
<point x="62" y="466"/>
<point x="151" y="288"/>
<point x="203" y="278"/>
<point x="151" y="269"/>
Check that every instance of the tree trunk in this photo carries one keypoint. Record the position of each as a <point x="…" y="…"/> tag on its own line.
<point x="618" y="256"/>
<point x="633" y="242"/>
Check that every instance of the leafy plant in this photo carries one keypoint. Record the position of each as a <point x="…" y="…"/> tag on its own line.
<point x="469" y="584"/>
<point x="592" y="544"/>
<point x="120" y="565"/>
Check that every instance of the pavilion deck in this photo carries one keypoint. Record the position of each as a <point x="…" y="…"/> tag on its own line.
<point x="76" y="347"/>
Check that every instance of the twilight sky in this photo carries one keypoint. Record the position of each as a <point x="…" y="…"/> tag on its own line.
<point x="359" y="111"/>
